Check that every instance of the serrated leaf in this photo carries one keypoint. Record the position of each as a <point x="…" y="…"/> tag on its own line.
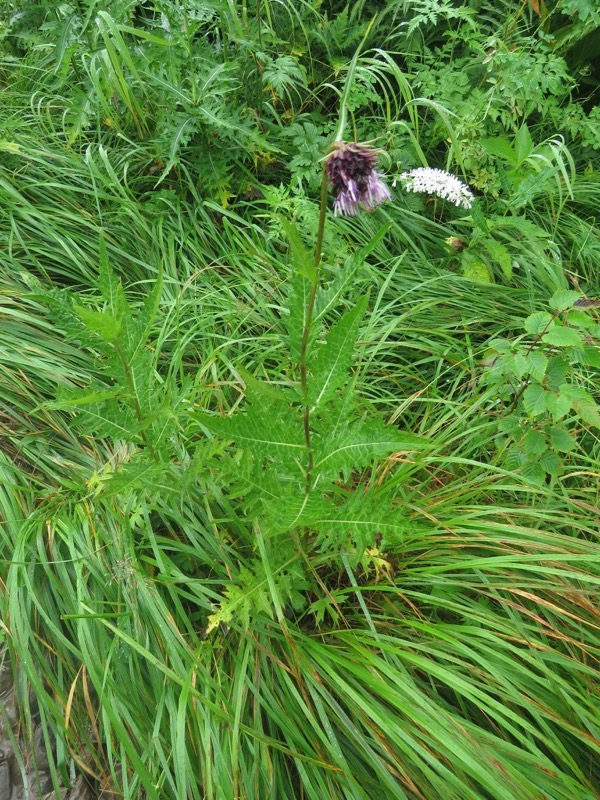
<point x="476" y="270"/>
<point x="563" y="299"/>
<point x="297" y="303"/>
<point x="561" y="440"/>
<point x="559" y="336"/>
<point x="328" y="296"/>
<point x="534" y="443"/>
<point x="557" y="371"/>
<point x="583" y="403"/>
<point x="590" y="356"/>
<point x="514" y="458"/>
<point x="360" y="518"/>
<point x="101" y="322"/>
<point x="510" y="424"/>
<point x="534" y="400"/>
<point x="333" y="359"/>
<point x="302" y="258"/>
<point x="537" y="363"/>
<point x="520" y="365"/>
<point x="110" y="286"/>
<point x="265" y="426"/>
<point x="249" y="592"/>
<point x="558" y="405"/>
<point x="579" y="319"/>
<point x="500" y="255"/>
<point x="551" y="463"/>
<point x="534" y="472"/>
<point x="83" y="397"/>
<point x="537" y="322"/>
<point x="357" y="445"/>
<point x="109" y="419"/>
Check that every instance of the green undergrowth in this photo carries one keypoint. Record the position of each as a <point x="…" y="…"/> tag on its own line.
<point x="196" y="602"/>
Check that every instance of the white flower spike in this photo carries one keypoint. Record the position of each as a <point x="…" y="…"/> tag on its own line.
<point x="440" y="183"/>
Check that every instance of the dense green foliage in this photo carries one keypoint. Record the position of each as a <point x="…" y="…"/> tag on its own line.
<point x="216" y="582"/>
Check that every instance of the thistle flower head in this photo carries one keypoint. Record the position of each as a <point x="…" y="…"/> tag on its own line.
<point x="440" y="183"/>
<point x="354" y="181"/>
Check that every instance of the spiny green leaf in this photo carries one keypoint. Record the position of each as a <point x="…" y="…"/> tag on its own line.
<point x="265" y="427"/>
<point x="302" y="258"/>
<point x="297" y="302"/>
<point x="476" y="269"/>
<point x="101" y="322"/>
<point x="501" y="255"/>
<point x="356" y="446"/>
<point x="332" y="360"/>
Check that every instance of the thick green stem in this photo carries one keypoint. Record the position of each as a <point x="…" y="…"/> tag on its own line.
<point x="308" y="315"/>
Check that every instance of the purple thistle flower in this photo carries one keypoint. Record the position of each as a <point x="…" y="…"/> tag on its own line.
<point x="354" y="181"/>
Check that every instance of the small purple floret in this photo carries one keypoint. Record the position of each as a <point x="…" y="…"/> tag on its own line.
<point x="354" y="182"/>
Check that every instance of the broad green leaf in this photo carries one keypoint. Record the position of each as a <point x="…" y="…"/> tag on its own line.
<point x="514" y="458"/>
<point x="510" y="424"/>
<point x="523" y="144"/>
<point x="520" y="365"/>
<point x="333" y="359"/>
<point x="534" y="472"/>
<point x="534" y="400"/>
<point x="561" y="440"/>
<point x="557" y="371"/>
<point x="551" y="463"/>
<point x="537" y="322"/>
<point x="583" y="403"/>
<point x="558" y="405"/>
<point x="563" y="299"/>
<point x="476" y="270"/>
<point x="101" y="322"/>
<point x="537" y="363"/>
<point x="590" y="356"/>
<point x="559" y="336"/>
<point x="502" y="148"/>
<point x="579" y="319"/>
<point x="534" y="443"/>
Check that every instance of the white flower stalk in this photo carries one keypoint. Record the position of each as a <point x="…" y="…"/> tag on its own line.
<point x="440" y="183"/>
